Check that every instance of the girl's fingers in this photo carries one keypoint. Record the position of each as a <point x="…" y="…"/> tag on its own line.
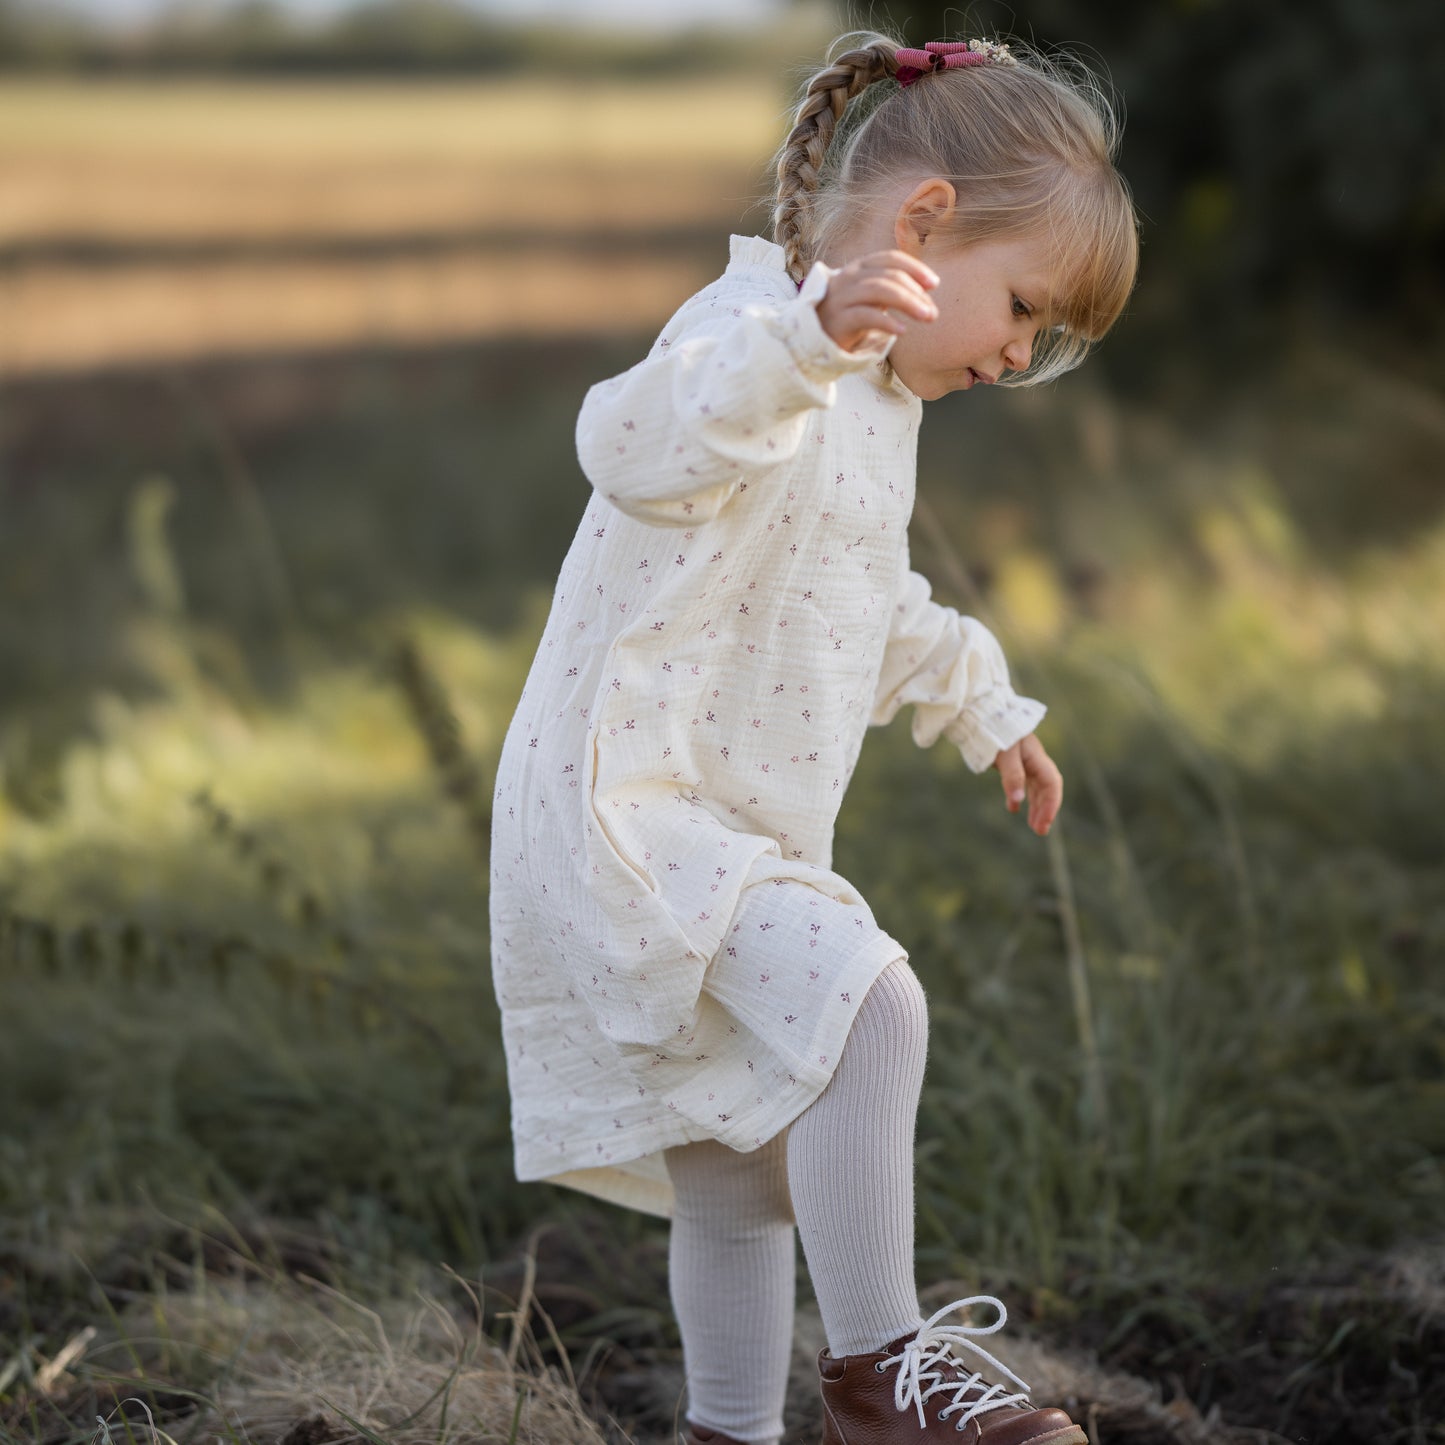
<point x="890" y="314"/>
<point x="1043" y="809"/>
<point x="895" y="265"/>
<point x="898" y="261"/>
<point x="1010" y="767"/>
<point x="864" y="296"/>
<point x="888" y="289"/>
<point x="1028" y="773"/>
<point x="870" y="319"/>
<point x="1045" y="785"/>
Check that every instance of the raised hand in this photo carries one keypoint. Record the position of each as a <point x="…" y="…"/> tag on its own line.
<point x="864" y="298"/>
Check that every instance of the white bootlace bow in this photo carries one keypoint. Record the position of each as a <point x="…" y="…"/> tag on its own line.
<point x="928" y="1360"/>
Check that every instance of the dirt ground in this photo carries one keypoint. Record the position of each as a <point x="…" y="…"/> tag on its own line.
<point x="1340" y="1358"/>
<point x="1354" y="1355"/>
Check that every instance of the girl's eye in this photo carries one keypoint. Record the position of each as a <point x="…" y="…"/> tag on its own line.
<point x="1022" y="307"/>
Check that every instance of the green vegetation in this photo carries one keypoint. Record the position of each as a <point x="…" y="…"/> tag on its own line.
<point x="1193" y="1038"/>
<point x="262" y="626"/>
<point x="396" y="37"/>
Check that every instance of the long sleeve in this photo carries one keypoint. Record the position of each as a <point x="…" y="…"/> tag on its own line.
<point x="723" y="397"/>
<point x="952" y="669"/>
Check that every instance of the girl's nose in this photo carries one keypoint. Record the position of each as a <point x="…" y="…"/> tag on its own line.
<point x="1016" y="353"/>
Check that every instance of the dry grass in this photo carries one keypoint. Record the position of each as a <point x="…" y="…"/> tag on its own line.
<point x="67" y="318"/>
<point x="285" y="1360"/>
<point x="260" y="217"/>
<point x="288" y="123"/>
<point x="156" y="199"/>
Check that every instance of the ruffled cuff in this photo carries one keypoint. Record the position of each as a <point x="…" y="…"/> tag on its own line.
<point x="817" y="355"/>
<point x="991" y="722"/>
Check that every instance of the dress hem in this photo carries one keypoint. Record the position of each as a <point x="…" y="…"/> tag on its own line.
<point x="639" y="1180"/>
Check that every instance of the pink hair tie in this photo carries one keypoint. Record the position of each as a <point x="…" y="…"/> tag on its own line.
<point x="949" y="55"/>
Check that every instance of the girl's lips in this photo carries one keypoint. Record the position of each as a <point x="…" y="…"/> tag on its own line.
<point x="981" y="376"/>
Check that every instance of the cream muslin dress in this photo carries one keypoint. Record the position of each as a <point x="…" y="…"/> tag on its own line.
<point x="673" y="956"/>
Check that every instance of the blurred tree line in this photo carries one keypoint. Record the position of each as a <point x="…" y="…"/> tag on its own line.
<point x="401" y="37"/>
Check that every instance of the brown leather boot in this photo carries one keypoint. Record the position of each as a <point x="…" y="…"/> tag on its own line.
<point x="916" y="1391"/>
<point x="701" y="1435"/>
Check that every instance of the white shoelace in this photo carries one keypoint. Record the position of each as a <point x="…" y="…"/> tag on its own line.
<point x="928" y="1359"/>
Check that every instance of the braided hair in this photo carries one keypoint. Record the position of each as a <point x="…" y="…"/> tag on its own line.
<point x="1029" y="147"/>
<point x="800" y="160"/>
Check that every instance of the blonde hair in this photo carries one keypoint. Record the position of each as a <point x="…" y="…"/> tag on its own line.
<point x="1029" y="148"/>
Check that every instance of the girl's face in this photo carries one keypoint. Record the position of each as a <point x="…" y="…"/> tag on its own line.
<point x="991" y="298"/>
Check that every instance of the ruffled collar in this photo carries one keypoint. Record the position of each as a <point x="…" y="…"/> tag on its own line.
<point x="750" y="252"/>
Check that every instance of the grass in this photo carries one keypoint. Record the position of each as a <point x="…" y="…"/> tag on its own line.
<point x="247" y="962"/>
<point x="1248" y="846"/>
<point x="228" y="1341"/>
<point x="262" y="626"/>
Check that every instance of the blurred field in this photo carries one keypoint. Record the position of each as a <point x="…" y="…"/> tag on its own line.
<point x="286" y="471"/>
<point x="184" y="220"/>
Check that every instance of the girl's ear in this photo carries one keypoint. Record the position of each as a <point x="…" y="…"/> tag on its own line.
<point x="928" y="205"/>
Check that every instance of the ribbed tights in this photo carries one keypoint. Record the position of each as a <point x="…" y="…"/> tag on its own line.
<point x="844" y="1173"/>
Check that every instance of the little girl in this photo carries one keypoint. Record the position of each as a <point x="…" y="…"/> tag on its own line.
<point x="702" y="1019"/>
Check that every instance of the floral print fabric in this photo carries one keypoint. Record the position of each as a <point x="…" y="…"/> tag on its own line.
<point x="673" y="955"/>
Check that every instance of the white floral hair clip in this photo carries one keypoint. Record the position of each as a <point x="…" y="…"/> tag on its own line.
<point x="994" y="52"/>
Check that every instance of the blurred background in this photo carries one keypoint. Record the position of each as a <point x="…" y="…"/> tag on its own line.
<point x="298" y="302"/>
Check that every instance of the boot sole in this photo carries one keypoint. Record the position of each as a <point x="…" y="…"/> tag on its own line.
<point x="1074" y="1435"/>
